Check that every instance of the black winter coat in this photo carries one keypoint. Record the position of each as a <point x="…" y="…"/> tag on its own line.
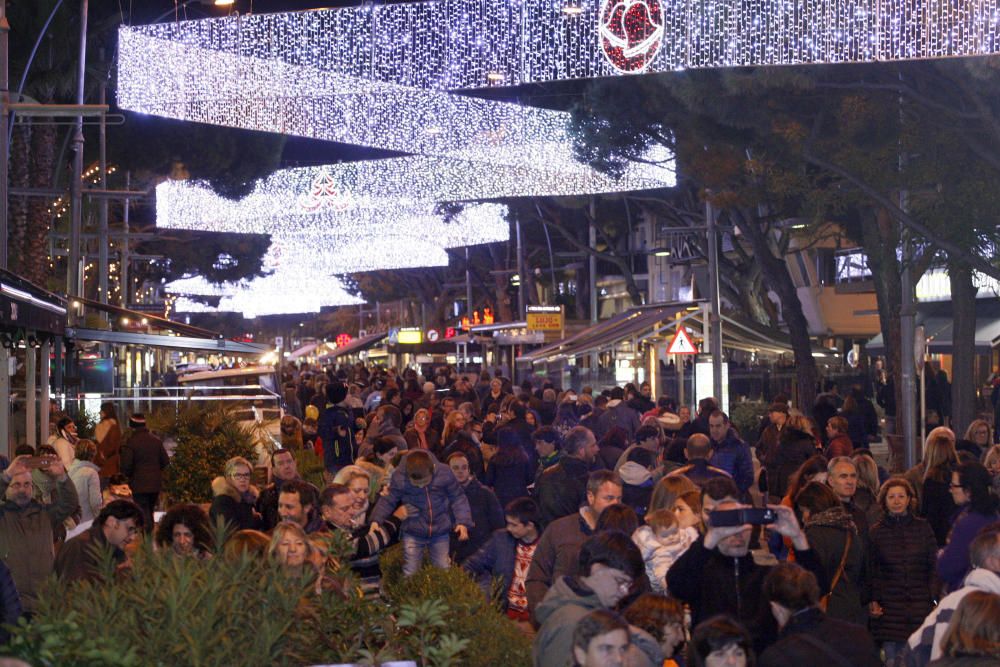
<point x="937" y="506"/>
<point x="813" y="638"/>
<point x="509" y="475"/>
<point x="904" y="554"/>
<point x="827" y="533"/>
<point x="712" y="584"/>
<point x="143" y="459"/>
<point x="562" y="488"/>
<point x="794" y="449"/>
<point x="487" y="516"/>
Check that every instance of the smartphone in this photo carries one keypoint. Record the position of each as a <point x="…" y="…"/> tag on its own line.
<point x="756" y="516"/>
<point x="38" y="461"/>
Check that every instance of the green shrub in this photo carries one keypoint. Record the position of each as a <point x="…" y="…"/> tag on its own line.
<point x="746" y="416"/>
<point x="310" y="467"/>
<point x="206" y="438"/>
<point x="170" y="611"/>
<point x="495" y="640"/>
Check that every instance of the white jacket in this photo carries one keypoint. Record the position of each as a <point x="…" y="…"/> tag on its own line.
<point x="659" y="554"/>
<point x="924" y="645"/>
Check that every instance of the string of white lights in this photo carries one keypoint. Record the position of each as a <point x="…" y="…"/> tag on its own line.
<point x="461" y="44"/>
<point x="194" y="83"/>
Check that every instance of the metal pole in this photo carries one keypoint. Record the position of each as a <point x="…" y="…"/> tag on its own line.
<point x="43" y="400"/>
<point x="592" y="229"/>
<point x="5" y="400"/>
<point x="468" y="284"/>
<point x="907" y="331"/>
<point x="73" y="286"/>
<point x="4" y="132"/>
<point x="30" y="405"/>
<point x="125" y="259"/>
<point x="520" y="269"/>
<point x="715" y="340"/>
<point x="102" y="223"/>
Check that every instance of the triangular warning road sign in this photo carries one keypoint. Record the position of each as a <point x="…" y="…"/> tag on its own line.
<point x="681" y="344"/>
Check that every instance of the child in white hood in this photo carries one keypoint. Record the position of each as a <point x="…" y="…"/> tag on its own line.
<point x="662" y="541"/>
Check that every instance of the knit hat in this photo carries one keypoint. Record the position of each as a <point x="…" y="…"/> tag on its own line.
<point x="312" y="412"/>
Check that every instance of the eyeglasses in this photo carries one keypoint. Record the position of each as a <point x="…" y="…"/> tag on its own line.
<point x="241" y="475"/>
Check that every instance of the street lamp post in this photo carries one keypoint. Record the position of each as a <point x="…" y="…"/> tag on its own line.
<point x="74" y="286"/>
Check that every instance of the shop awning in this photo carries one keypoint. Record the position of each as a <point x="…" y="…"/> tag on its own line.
<point x="939" y="334"/>
<point x="186" y="343"/>
<point x="641" y="324"/>
<point x="357" y="345"/>
<point x="26" y="306"/>
<point x="604" y="335"/>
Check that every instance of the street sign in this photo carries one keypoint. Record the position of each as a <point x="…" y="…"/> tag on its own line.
<point x="681" y="344"/>
<point x="450" y="332"/>
<point x="544" y="318"/>
<point x="410" y="336"/>
<point x="432" y="335"/>
<point x="393" y="335"/>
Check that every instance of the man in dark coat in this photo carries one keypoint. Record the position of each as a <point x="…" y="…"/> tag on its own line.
<point x="336" y="430"/>
<point x="283" y="469"/>
<point x="697" y="450"/>
<point x="719" y="575"/>
<point x="807" y="635"/>
<point x="561" y="489"/>
<point x="114" y="528"/>
<point x="143" y="461"/>
<point x="487" y="514"/>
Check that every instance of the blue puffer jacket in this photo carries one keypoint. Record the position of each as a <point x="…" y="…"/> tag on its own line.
<point x="435" y="502"/>
<point x="733" y="456"/>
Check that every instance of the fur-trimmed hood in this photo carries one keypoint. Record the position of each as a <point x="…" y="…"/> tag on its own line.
<point x="220" y="487"/>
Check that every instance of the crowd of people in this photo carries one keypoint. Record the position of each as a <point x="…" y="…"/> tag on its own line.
<point x="622" y="530"/>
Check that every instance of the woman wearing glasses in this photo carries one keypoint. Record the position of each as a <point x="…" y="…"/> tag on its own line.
<point x="234" y="496"/>
<point x="970" y="489"/>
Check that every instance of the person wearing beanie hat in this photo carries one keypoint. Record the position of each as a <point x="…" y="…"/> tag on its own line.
<point x="335" y="430"/>
<point x="143" y="459"/>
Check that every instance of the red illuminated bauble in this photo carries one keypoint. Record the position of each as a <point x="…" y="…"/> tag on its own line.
<point x="343" y="339"/>
<point x="631" y="32"/>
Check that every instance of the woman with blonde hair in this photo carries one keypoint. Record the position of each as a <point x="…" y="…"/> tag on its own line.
<point x="419" y="434"/>
<point x="454" y="423"/>
<point x="291" y="549"/>
<point x="358" y="480"/>
<point x="991" y="459"/>
<point x="977" y="438"/>
<point x="936" y="503"/>
<point x="668" y="490"/>
<point x="234" y="496"/>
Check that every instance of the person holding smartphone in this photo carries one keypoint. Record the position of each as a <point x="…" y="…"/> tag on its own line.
<point x="719" y="575"/>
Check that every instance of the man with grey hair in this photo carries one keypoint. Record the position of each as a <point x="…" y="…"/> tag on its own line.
<point x="561" y="489"/>
<point x="842" y="477"/>
<point x="924" y="645"/>
<point x="558" y="548"/>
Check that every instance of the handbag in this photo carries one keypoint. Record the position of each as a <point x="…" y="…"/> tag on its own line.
<point x="824" y="601"/>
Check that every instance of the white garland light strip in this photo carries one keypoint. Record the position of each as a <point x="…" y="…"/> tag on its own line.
<point x="460" y="44"/>
<point x="187" y="82"/>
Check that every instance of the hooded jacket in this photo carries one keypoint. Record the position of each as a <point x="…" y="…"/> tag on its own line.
<point x="436" y="503"/>
<point x="336" y="429"/>
<point x="237" y="510"/>
<point x="659" y="554"/>
<point x="618" y="414"/>
<point x="637" y="486"/>
<point x="566" y="603"/>
<point x="924" y="644"/>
